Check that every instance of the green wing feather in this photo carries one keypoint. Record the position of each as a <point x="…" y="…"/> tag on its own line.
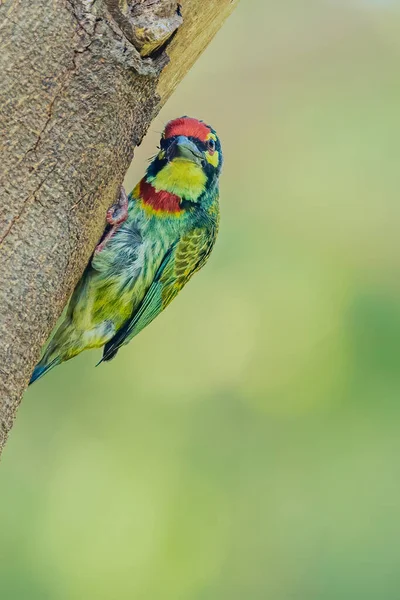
<point x="180" y="262"/>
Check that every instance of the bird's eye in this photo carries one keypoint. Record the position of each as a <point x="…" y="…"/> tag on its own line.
<point x="211" y="146"/>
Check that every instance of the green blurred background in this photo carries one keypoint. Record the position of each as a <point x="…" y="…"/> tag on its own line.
<point x="246" y="445"/>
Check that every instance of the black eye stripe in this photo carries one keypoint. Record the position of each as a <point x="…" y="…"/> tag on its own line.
<point x="209" y="144"/>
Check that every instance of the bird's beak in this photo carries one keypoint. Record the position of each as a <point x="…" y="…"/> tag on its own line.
<point x="184" y="149"/>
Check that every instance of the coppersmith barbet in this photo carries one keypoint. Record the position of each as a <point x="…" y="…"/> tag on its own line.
<point x="156" y="239"/>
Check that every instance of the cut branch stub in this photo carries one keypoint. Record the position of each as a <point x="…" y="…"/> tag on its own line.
<point x="147" y="24"/>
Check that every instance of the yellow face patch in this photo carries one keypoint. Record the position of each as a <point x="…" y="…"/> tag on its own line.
<point x="212" y="157"/>
<point x="181" y="177"/>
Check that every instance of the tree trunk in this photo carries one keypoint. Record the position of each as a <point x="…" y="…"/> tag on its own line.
<point x="81" y="81"/>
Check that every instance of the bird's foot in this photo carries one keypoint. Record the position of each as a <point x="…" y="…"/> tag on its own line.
<point x="115" y="216"/>
<point x="118" y="213"/>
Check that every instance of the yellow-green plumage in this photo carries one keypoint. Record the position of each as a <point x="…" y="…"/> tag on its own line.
<point x="169" y="232"/>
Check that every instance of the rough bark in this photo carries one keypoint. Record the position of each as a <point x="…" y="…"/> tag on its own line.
<point x="81" y="81"/>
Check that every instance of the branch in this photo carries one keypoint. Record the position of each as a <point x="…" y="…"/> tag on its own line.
<point x="81" y="82"/>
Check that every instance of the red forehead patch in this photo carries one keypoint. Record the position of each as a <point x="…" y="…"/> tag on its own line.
<point x="189" y="127"/>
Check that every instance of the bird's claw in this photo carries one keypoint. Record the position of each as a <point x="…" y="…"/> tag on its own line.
<point x="115" y="216"/>
<point x="118" y="213"/>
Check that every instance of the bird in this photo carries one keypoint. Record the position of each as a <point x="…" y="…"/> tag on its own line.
<point x="155" y="239"/>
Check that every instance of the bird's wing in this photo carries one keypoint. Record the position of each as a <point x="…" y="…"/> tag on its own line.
<point x="180" y="262"/>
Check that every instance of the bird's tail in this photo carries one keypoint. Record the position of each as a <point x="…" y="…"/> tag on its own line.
<point x="56" y="351"/>
<point x="42" y="368"/>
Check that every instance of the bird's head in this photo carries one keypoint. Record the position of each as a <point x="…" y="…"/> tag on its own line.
<point x="189" y="160"/>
